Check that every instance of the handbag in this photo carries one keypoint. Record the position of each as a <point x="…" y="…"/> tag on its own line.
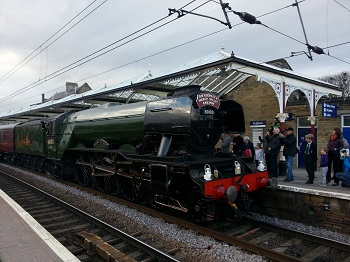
<point x="247" y="152"/>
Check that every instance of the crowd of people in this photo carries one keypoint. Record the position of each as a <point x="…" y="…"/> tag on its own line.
<point x="334" y="156"/>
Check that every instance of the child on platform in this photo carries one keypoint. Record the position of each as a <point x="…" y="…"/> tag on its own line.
<point x="259" y="155"/>
<point x="324" y="166"/>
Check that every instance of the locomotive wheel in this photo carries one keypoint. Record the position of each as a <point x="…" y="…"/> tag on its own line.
<point x="105" y="183"/>
<point x="200" y="210"/>
<point x="83" y="171"/>
<point x="131" y="188"/>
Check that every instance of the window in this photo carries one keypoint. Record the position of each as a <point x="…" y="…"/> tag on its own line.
<point x="303" y="122"/>
<point x="346" y="121"/>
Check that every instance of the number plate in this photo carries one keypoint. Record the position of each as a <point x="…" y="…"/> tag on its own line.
<point x="207" y="112"/>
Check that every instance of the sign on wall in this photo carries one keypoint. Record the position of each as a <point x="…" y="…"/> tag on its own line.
<point x="329" y="110"/>
<point x="261" y="123"/>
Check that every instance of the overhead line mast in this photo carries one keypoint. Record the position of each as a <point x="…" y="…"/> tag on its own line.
<point x="224" y="6"/>
<point x="302" y="25"/>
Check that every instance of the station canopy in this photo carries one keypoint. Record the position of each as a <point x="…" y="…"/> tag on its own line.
<point x="219" y="72"/>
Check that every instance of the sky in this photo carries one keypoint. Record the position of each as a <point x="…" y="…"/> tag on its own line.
<point x="44" y="44"/>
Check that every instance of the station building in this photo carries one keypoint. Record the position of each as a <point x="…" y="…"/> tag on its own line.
<point x="265" y="91"/>
<point x="260" y="105"/>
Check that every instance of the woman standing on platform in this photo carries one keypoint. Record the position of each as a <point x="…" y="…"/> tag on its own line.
<point x="335" y="144"/>
<point x="248" y="148"/>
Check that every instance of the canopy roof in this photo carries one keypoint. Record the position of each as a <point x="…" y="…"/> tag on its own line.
<point x="219" y="72"/>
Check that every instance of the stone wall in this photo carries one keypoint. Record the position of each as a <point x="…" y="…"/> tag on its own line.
<point x="321" y="211"/>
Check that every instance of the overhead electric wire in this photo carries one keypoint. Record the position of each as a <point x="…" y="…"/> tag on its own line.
<point x="283" y="34"/>
<point x="14" y="70"/>
<point x="248" y="18"/>
<point x="338" y="59"/>
<point x="56" y="73"/>
<point x="155" y="54"/>
<point x="336" y="45"/>
<point x="341" y="5"/>
<point x="271" y="12"/>
<point x="193" y="40"/>
<point x="163" y="50"/>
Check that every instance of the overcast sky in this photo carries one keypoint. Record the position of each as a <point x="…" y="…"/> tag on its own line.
<point x="27" y="31"/>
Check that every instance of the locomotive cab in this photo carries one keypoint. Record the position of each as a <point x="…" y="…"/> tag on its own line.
<point x="190" y="121"/>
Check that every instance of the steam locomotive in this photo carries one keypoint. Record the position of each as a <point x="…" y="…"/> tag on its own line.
<point x="162" y="152"/>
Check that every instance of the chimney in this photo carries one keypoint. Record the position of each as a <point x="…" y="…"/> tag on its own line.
<point x="70" y="86"/>
<point x="42" y="98"/>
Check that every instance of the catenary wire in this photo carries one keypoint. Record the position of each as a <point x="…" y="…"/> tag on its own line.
<point x="36" y="83"/>
<point x="203" y="37"/>
<point x="338" y="59"/>
<point x="292" y="5"/>
<point x="62" y="70"/>
<point x="342" y="5"/>
<point x="18" y="67"/>
<point x="238" y="68"/>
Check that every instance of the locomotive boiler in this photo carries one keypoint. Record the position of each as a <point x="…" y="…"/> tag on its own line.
<point x="161" y="152"/>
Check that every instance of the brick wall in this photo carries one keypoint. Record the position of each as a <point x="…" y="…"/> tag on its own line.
<point x="305" y="208"/>
<point x="259" y="102"/>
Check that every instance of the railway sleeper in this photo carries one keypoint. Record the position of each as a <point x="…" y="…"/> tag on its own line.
<point x="96" y="244"/>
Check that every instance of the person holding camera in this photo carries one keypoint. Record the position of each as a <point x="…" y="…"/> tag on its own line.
<point x="290" y="144"/>
<point x="273" y="149"/>
<point x="344" y="177"/>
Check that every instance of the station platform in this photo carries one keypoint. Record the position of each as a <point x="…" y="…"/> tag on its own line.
<point x="22" y="238"/>
<point x="298" y="185"/>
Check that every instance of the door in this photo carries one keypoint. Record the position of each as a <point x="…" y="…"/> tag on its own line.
<point x="346" y="126"/>
<point x="304" y="128"/>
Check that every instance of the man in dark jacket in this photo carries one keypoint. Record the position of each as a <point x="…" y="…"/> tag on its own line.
<point x="290" y="144"/>
<point x="273" y="150"/>
<point x="237" y="144"/>
<point x="310" y="158"/>
<point x="225" y="143"/>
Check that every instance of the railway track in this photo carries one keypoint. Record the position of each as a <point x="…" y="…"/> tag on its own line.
<point x="272" y="242"/>
<point x="285" y="244"/>
<point x="87" y="237"/>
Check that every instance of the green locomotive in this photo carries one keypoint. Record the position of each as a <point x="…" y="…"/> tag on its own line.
<point x="162" y="151"/>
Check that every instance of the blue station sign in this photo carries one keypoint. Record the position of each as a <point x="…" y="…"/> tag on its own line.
<point x="329" y="110"/>
<point x="257" y="123"/>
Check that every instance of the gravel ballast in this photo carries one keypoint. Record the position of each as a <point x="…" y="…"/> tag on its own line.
<point x="194" y="247"/>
